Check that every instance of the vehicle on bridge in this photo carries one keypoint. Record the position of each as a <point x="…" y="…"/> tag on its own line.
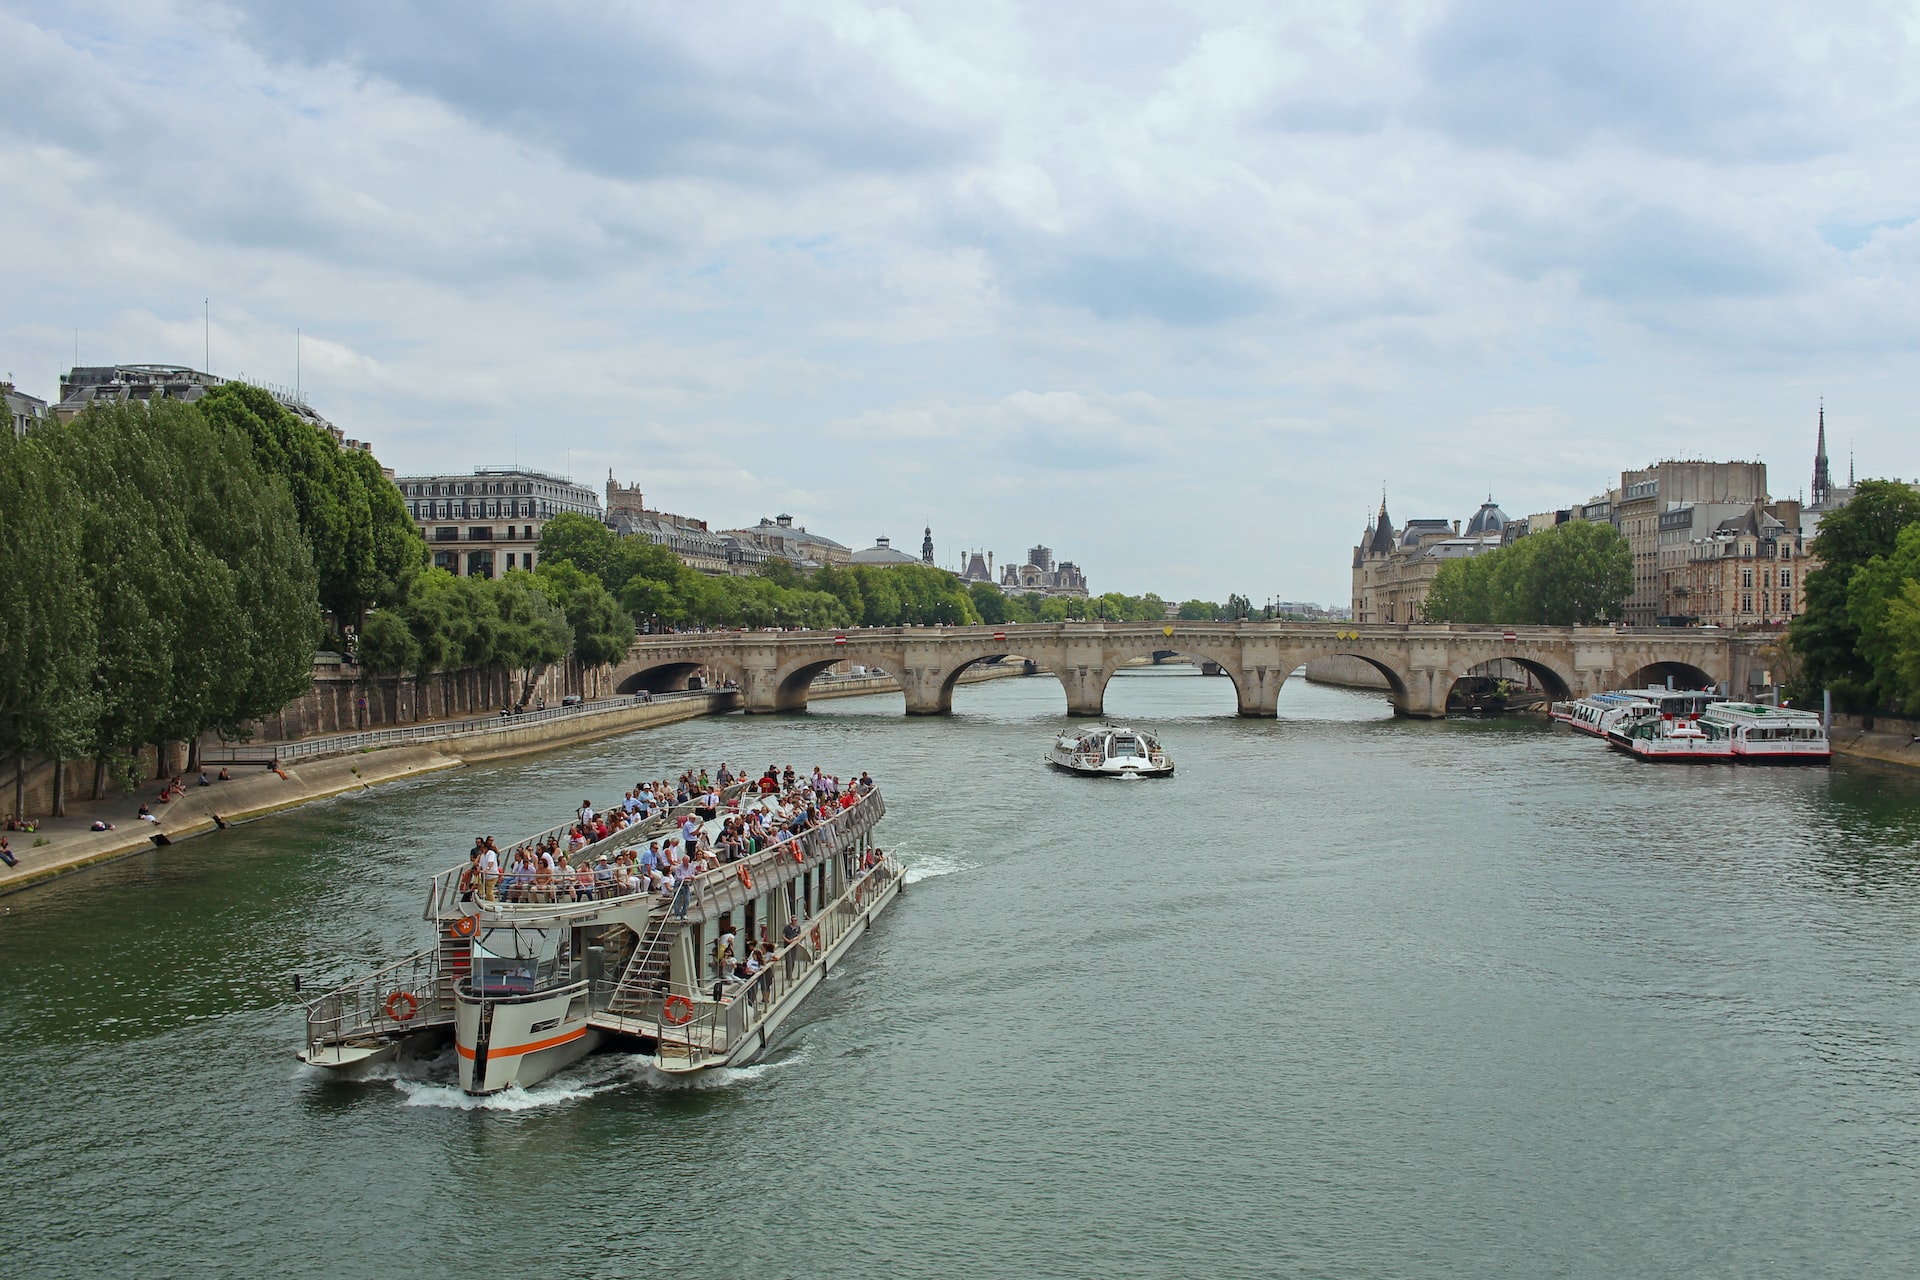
<point x="1110" y="751"/>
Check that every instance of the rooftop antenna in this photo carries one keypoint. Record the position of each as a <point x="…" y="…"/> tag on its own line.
<point x="206" y="334"/>
<point x="296" y="364"/>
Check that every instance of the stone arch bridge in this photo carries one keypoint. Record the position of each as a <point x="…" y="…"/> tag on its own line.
<point x="773" y="669"/>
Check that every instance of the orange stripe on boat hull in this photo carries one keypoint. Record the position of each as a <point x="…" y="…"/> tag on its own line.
<point x="534" y="1047"/>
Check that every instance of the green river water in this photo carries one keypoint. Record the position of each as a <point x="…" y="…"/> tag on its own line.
<point x="1347" y="996"/>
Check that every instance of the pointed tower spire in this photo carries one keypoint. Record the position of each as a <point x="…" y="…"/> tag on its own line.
<point x="1822" y="480"/>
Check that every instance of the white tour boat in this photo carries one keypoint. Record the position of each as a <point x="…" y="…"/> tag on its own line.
<point x="1110" y="751"/>
<point x="526" y="988"/>
<point x="1598" y="713"/>
<point x="1647" y="732"/>
<point x="1772" y="735"/>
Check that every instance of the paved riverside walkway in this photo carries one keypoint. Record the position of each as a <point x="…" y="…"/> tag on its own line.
<point x="68" y="844"/>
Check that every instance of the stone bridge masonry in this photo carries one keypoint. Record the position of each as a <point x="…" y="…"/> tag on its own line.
<point x="1421" y="663"/>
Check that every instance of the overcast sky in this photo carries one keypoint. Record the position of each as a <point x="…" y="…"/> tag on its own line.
<point x="1173" y="288"/>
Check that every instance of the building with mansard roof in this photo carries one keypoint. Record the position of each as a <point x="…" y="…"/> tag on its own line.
<point x="1393" y="569"/>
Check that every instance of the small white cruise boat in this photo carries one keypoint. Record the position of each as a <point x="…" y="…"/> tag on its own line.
<point x="1598" y="713"/>
<point x="1110" y="751"/>
<point x="1772" y="735"/>
<point x="1648" y="733"/>
<point x="524" y="987"/>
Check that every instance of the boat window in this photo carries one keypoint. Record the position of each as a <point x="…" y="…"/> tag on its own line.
<point x="508" y="959"/>
<point x="1124" y="747"/>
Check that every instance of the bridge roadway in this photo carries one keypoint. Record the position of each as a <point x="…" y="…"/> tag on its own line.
<point x="1421" y="663"/>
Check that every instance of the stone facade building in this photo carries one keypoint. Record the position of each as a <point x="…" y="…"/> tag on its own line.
<point x="781" y="537"/>
<point x="698" y="547"/>
<point x="1646" y="495"/>
<point x="1750" y="570"/>
<point x="483" y="524"/>
<point x="1393" y="569"/>
<point x="1041" y="576"/>
<point x="24" y="412"/>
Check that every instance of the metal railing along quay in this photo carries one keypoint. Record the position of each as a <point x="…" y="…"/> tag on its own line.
<point x="279" y="753"/>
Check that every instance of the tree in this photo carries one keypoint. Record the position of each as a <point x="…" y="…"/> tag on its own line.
<point x="1903" y="625"/>
<point x="48" y="638"/>
<point x="1197" y="610"/>
<point x="1874" y="595"/>
<point x="601" y="631"/>
<point x="387" y="646"/>
<point x="988" y="602"/>
<point x="363" y="545"/>
<point x="1826" y="635"/>
<point x="1573" y="574"/>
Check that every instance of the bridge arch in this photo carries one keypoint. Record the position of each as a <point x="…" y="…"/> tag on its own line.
<point x="668" y="676"/>
<point x="1683" y="674"/>
<point x="1555" y="685"/>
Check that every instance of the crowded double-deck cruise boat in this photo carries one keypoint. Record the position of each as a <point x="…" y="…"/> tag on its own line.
<point x="687" y="923"/>
<point x="1110" y="751"/>
<point x="1761" y="734"/>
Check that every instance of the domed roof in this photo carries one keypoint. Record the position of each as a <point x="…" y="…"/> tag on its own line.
<point x="1488" y="519"/>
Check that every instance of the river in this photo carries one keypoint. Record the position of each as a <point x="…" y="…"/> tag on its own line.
<point x="1346" y="996"/>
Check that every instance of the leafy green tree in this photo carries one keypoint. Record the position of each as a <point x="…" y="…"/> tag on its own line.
<point x="1197" y="610"/>
<point x="1876" y="587"/>
<point x="363" y="545"/>
<point x="1903" y="627"/>
<point x="601" y="631"/>
<point x="989" y="603"/>
<point x="1826" y="635"/>
<point x="387" y="646"/>
<point x="1571" y="575"/>
<point x="48" y="637"/>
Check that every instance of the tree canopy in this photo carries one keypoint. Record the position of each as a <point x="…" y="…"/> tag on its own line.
<point x="1849" y="638"/>
<point x="1573" y="574"/>
<point x="158" y="583"/>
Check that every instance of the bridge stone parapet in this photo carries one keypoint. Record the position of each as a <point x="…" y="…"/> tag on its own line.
<point x="1419" y="663"/>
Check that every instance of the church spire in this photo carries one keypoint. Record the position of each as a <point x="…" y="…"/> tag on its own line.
<point x="1822" y="480"/>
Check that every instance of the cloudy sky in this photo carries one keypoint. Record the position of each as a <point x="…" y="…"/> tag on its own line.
<point x="1173" y="288"/>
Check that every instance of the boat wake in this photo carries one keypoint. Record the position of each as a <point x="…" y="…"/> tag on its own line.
<point x="429" y="1082"/>
<point x="925" y="866"/>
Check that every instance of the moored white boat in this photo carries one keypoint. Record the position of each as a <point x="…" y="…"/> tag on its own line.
<point x="1648" y="733"/>
<point x="1598" y="713"/>
<point x="1772" y="735"/>
<point x="1110" y="751"/>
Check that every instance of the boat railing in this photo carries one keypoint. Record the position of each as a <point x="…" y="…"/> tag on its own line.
<point x="443" y="895"/>
<point x="716" y="1028"/>
<point x="404" y="996"/>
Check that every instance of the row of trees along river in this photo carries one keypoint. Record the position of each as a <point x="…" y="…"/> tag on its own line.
<point x="169" y="569"/>
<point x="1859" y="636"/>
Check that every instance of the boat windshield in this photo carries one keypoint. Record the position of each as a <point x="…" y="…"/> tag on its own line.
<point x="1121" y="748"/>
<point x="516" y="959"/>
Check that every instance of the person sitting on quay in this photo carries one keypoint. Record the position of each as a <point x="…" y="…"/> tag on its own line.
<point x="6" y="853"/>
<point x="223" y="775"/>
<point x="146" y="814"/>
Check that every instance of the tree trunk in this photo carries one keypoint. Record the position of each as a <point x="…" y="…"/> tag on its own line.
<point x="100" y="778"/>
<point x="19" y="785"/>
<point x="60" y="786"/>
<point x="193" y="754"/>
<point x="159" y="761"/>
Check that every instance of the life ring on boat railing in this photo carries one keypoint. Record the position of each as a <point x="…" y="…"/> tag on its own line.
<point x="816" y="937"/>
<point x="745" y="879"/>
<point x="677" y="1011"/>
<point x="799" y="855"/>
<point x="464" y="927"/>
<point x="402" y="1005"/>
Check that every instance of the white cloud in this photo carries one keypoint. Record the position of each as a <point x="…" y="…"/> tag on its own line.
<point x="1171" y="288"/>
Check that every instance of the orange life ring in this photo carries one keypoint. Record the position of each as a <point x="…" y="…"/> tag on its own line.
<point x="799" y="854"/>
<point x="464" y="927"/>
<point x="816" y="937"/>
<point x="402" y="1000"/>
<point x="745" y="879"/>
<point x="677" y="1011"/>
